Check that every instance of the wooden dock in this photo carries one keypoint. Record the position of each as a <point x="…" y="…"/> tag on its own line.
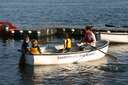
<point x="75" y="31"/>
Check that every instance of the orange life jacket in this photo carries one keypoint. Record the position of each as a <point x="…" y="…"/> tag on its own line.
<point x="34" y="50"/>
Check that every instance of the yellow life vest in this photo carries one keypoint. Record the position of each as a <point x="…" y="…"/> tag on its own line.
<point x="34" y="50"/>
<point x="68" y="43"/>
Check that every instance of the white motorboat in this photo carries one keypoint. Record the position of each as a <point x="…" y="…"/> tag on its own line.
<point x="116" y="37"/>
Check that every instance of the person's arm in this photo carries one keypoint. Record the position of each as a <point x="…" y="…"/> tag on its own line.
<point x="65" y="41"/>
<point x="39" y="49"/>
<point x="93" y="36"/>
<point x="94" y="39"/>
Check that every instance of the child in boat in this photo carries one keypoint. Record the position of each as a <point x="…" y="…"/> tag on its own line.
<point x="67" y="43"/>
<point x="35" y="49"/>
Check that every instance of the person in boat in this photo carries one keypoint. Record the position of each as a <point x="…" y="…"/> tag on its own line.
<point x="89" y="36"/>
<point x="25" y="44"/>
<point x="35" y="49"/>
<point x="67" y="43"/>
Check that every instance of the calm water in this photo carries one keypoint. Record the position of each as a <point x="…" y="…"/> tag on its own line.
<point x="89" y="73"/>
<point x="37" y="13"/>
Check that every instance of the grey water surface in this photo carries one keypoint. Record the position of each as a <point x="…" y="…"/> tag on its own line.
<point x="39" y="13"/>
<point x="99" y="72"/>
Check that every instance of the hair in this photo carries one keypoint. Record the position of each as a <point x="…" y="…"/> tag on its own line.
<point x="25" y="36"/>
<point x="33" y="40"/>
<point x="88" y="28"/>
<point x="67" y="35"/>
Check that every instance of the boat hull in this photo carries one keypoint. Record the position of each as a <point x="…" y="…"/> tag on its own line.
<point x="115" y="37"/>
<point x="65" y="58"/>
<point x="11" y="27"/>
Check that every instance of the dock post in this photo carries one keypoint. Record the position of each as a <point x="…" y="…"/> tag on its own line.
<point x="39" y="35"/>
<point x="98" y="35"/>
<point x="29" y="33"/>
<point x="47" y="31"/>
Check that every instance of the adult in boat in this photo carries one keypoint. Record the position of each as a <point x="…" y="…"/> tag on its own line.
<point x="35" y="49"/>
<point x="25" y="44"/>
<point x="24" y="48"/>
<point x="67" y="43"/>
<point x="89" y="36"/>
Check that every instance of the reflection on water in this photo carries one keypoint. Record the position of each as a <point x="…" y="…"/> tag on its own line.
<point x="97" y="72"/>
<point x="121" y="51"/>
<point x="72" y="74"/>
<point x="58" y="75"/>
